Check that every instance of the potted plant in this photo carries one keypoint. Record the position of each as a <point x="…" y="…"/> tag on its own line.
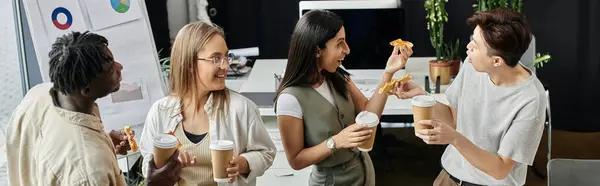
<point x="436" y="17"/>
<point x="485" y="5"/>
<point x="451" y="56"/>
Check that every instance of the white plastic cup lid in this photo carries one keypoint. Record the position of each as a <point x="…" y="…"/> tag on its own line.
<point x="221" y="145"/>
<point x="423" y="101"/>
<point x="165" y="141"/>
<point x="367" y="118"/>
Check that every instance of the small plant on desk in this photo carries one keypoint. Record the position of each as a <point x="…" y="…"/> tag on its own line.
<point x="436" y="17"/>
<point x="451" y="55"/>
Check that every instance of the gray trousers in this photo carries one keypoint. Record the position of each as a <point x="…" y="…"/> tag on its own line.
<point x="351" y="173"/>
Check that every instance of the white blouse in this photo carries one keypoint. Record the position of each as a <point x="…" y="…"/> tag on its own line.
<point x="288" y="105"/>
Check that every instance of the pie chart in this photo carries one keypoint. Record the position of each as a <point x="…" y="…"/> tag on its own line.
<point x="120" y="6"/>
<point x="57" y="23"/>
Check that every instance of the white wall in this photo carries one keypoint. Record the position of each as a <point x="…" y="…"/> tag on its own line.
<point x="10" y="82"/>
<point x="182" y="12"/>
<point x="178" y="16"/>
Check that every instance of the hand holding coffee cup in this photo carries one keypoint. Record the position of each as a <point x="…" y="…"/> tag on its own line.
<point x="233" y="171"/>
<point x="440" y="133"/>
<point x="221" y="154"/>
<point x="422" y="107"/>
<point x="370" y="121"/>
<point x="352" y="136"/>
<point x="168" y="174"/>
<point x="164" y="147"/>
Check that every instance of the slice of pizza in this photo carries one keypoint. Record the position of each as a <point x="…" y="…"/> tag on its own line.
<point x="390" y="85"/>
<point x="400" y="43"/>
<point x="132" y="143"/>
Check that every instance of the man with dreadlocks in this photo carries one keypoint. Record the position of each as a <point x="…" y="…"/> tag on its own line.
<point x="55" y="135"/>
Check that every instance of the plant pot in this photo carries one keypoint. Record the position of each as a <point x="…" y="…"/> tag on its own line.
<point x="455" y="66"/>
<point x="442" y="69"/>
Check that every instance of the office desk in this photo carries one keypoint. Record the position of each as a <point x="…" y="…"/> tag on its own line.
<point x="281" y="173"/>
<point x="261" y="80"/>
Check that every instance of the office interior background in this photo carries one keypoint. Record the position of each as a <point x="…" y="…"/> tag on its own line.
<point x="568" y="30"/>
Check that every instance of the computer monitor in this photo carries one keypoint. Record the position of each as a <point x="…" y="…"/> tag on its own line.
<point x="369" y="24"/>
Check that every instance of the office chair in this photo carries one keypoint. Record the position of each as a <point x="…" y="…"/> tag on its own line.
<point x="573" y="172"/>
<point x="548" y="124"/>
<point x="540" y="172"/>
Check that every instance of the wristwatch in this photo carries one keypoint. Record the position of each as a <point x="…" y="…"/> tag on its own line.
<point x="331" y="144"/>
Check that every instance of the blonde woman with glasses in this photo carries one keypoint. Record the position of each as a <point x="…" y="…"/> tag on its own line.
<point x="200" y="109"/>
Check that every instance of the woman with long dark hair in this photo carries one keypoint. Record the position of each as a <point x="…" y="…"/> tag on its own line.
<point x="317" y="103"/>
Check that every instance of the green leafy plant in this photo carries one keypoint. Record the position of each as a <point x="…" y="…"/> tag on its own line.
<point x="485" y="5"/>
<point x="165" y="64"/>
<point x="451" y="51"/>
<point x="517" y="5"/>
<point x="165" y="68"/>
<point x="136" y="178"/>
<point x="540" y="60"/>
<point x="436" y="17"/>
<point x="140" y="182"/>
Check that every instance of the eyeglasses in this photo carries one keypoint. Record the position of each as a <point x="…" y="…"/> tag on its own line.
<point x="218" y="60"/>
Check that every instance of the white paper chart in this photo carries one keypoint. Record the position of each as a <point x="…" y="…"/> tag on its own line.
<point x="126" y="26"/>
<point x="61" y="17"/>
<point x="107" y="13"/>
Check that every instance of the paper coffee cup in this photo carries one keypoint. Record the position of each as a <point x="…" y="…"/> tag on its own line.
<point x="370" y="120"/>
<point x="165" y="146"/>
<point x="422" y="107"/>
<point x="221" y="152"/>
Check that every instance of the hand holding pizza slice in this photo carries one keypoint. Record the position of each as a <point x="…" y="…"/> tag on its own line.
<point x="132" y="143"/>
<point x="390" y="85"/>
<point x="400" y="43"/>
